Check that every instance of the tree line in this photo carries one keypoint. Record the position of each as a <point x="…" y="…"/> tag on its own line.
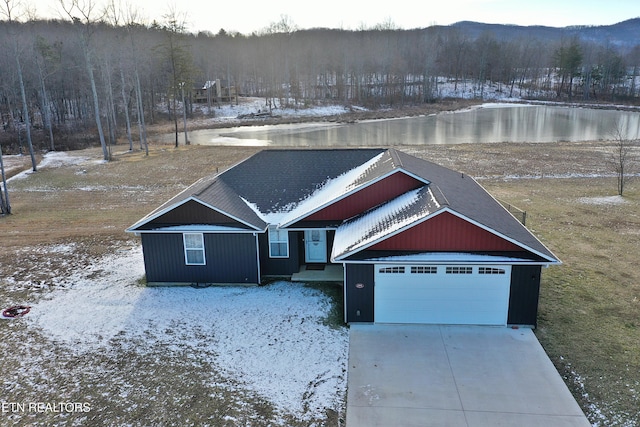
<point x="101" y="74"/>
<point x="98" y="75"/>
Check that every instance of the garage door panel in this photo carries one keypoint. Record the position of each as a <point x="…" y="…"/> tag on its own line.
<point x="441" y="298"/>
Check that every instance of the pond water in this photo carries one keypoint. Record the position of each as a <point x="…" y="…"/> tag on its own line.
<point x="488" y="123"/>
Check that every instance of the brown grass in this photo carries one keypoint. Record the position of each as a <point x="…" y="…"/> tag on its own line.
<point x="589" y="307"/>
<point x="589" y="318"/>
<point x="98" y="199"/>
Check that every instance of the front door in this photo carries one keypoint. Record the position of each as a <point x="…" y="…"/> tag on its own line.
<point x="315" y="243"/>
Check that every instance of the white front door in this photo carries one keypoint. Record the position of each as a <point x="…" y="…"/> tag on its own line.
<point x="315" y="242"/>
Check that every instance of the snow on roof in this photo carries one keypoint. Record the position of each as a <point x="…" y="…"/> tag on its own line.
<point x="383" y="220"/>
<point x="269" y="218"/>
<point x="329" y="191"/>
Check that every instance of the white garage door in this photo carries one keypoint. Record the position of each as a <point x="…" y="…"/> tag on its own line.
<point x="453" y="294"/>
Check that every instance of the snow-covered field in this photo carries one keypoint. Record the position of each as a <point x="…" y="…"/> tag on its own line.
<point x="269" y="340"/>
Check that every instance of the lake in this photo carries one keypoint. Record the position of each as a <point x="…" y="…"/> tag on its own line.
<point x="485" y="124"/>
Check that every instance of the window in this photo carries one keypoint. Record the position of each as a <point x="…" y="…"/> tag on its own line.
<point x="424" y="270"/>
<point x="278" y="243"/>
<point x="394" y="270"/>
<point x="194" y="248"/>
<point x="490" y="270"/>
<point x="459" y="270"/>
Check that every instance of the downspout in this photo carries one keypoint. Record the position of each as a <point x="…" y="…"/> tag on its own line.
<point x="344" y="290"/>
<point x="257" y="256"/>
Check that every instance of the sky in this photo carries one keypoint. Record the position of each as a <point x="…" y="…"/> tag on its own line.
<point x="250" y="15"/>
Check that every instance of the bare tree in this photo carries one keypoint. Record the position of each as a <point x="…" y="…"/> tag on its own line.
<point x="5" y="206"/>
<point x="125" y="103"/>
<point x="8" y="9"/>
<point x="131" y="21"/>
<point x="179" y="61"/>
<point x="622" y="157"/>
<point x="46" y="54"/>
<point x="86" y="23"/>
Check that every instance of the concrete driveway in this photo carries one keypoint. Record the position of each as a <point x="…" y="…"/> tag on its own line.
<point x="429" y="375"/>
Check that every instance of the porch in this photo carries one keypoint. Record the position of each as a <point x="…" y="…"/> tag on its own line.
<point x="319" y="273"/>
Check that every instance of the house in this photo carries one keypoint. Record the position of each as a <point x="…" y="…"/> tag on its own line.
<point x="214" y="91"/>
<point x="418" y="243"/>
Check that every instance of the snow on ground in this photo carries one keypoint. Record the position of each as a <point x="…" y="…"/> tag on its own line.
<point x="606" y="200"/>
<point x="54" y="159"/>
<point x="271" y="339"/>
<point x="229" y="112"/>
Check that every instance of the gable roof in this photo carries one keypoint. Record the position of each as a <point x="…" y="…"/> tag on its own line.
<point x="279" y="187"/>
<point x="275" y="181"/>
<point x="213" y="194"/>
<point x="462" y="194"/>
<point x="360" y="232"/>
<point x="264" y="188"/>
<point x="333" y="190"/>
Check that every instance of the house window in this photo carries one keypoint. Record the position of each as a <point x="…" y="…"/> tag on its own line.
<point x="459" y="270"/>
<point x="278" y="243"/>
<point x="392" y="270"/>
<point x="424" y="270"/>
<point x="489" y="270"/>
<point x="194" y="248"/>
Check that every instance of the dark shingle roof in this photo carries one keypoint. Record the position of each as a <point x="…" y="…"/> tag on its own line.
<point x="277" y="181"/>
<point x="464" y="195"/>
<point x="270" y="180"/>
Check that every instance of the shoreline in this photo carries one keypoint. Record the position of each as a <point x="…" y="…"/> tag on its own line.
<point x="230" y="116"/>
<point x="351" y="116"/>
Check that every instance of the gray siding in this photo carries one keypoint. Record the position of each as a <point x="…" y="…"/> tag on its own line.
<point x="524" y="293"/>
<point x="230" y="258"/>
<point x="281" y="266"/>
<point x="359" y="299"/>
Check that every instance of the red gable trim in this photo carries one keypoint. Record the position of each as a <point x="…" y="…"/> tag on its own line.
<point x="368" y="197"/>
<point x="445" y="232"/>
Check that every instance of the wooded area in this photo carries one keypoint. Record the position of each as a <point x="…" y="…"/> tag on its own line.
<point x="95" y="75"/>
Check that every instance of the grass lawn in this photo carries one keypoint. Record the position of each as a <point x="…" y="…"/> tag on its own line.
<point x="589" y="321"/>
<point x="589" y="313"/>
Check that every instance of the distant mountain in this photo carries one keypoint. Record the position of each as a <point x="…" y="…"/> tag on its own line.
<point x="625" y="34"/>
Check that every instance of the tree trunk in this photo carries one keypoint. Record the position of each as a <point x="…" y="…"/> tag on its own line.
<point x="46" y="111"/>
<point x="25" y="108"/>
<point x="96" y="106"/>
<point x="184" y="115"/>
<point x="125" y="102"/>
<point x="5" y="206"/>
<point x="111" y="107"/>
<point x="175" y="116"/>
<point x="141" y="126"/>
